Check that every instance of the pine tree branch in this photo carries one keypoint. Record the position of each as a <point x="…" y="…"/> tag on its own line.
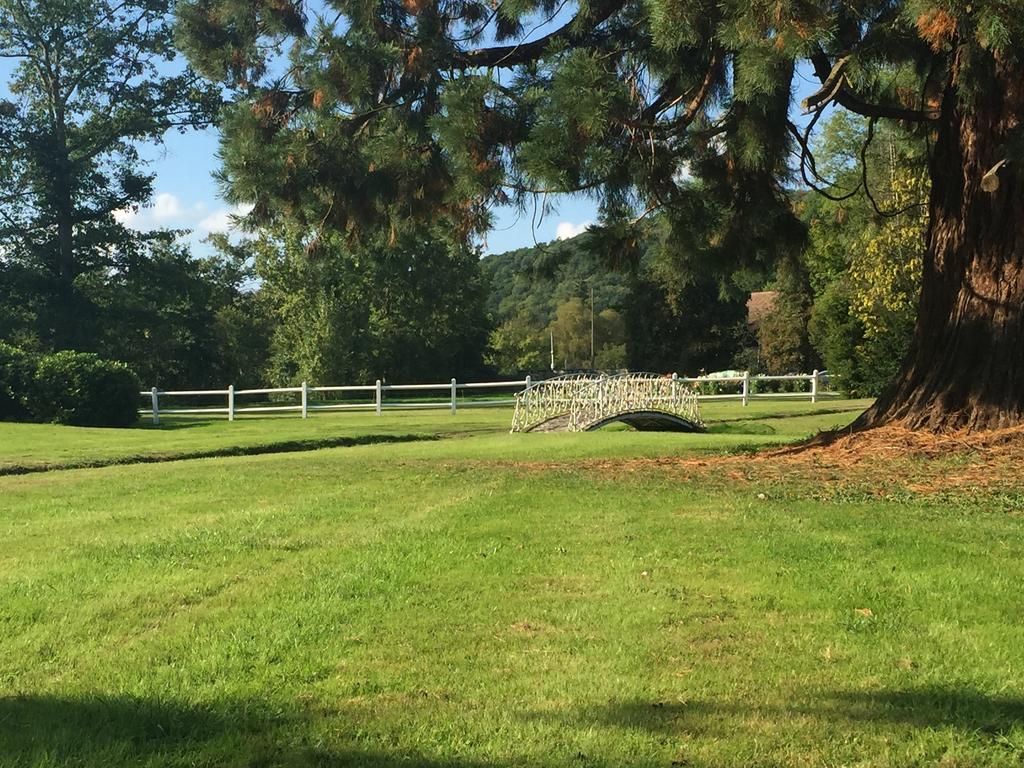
<point x="835" y="82"/>
<point x="574" y="189"/>
<point x="506" y="56"/>
<point x="825" y="72"/>
<point x="666" y="99"/>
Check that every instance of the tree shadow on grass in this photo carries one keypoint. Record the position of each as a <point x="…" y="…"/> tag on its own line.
<point x="56" y="731"/>
<point x="966" y="710"/>
<point x="933" y="707"/>
<point x="102" y="731"/>
<point x="109" y="732"/>
<point x="662" y="718"/>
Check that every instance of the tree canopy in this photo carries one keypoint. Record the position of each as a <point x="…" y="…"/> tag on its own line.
<point x="647" y="317"/>
<point x="361" y="112"/>
<point x="407" y="311"/>
<point x="90" y="85"/>
<point x="363" y="115"/>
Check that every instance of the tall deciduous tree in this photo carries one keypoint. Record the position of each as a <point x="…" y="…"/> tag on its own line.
<point x="412" y="109"/>
<point x="409" y="310"/>
<point x="89" y="86"/>
<point x="864" y="269"/>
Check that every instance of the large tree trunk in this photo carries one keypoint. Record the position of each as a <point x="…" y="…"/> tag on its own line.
<point x="68" y="322"/>
<point x="965" y="368"/>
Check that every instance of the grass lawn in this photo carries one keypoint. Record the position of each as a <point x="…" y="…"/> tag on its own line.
<point x="485" y="600"/>
<point x="41" y="446"/>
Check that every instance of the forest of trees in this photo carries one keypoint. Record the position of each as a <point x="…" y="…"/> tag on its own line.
<point x="543" y="294"/>
<point x="846" y="301"/>
<point x="358" y="258"/>
<point x="279" y="307"/>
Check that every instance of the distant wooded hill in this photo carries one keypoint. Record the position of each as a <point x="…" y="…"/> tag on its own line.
<point x="640" y="322"/>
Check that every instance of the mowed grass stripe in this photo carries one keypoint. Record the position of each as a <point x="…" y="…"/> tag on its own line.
<point x="40" y="447"/>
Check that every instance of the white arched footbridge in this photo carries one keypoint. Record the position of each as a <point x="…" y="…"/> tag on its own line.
<point x="583" y="402"/>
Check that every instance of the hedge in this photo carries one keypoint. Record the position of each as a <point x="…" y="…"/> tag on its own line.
<point x="82" y="389"/>
<point x="17" y="369"/>
<point x="76" y="388"/>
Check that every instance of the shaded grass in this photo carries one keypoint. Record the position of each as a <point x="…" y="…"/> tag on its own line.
<point x="287" y="446"/>
<point x="421" y="604"/>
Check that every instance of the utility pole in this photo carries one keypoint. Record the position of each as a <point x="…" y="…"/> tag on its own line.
<point x="591" y="325"/>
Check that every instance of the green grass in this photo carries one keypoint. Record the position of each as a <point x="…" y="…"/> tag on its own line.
<point x="483" y="600"/>
<point x="42" y="446"/>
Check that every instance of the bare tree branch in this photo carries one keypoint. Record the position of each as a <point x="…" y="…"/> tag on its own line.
<point x="524" y="53"/>
<point x="823" y="70"/>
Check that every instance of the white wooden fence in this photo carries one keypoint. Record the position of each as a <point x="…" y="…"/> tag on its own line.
<point x="309" y="402"/>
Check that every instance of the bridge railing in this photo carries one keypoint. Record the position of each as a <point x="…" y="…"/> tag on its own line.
<point x="549" y="398"/>
<point x="581" y="397"/>
<point x="584" y="400"/>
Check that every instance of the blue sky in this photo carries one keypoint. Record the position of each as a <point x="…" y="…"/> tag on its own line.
<point x="186" y="196"/>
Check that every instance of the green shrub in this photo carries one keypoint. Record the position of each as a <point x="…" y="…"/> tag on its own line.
<point x="860" y="364"/>
<point x="16" y="372"/>
<point x="713" y="387"/>
<point x="82" y="389"/>
<point x="761" y="387"/>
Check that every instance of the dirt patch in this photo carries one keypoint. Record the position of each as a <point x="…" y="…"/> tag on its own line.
<point x="880" y="462"/>
<point x="527" y="628"/>
<point x="870" y="443"/>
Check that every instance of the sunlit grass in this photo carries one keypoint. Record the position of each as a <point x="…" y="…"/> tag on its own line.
<point x="486" y="600"/>
<point x="43" y="445"/>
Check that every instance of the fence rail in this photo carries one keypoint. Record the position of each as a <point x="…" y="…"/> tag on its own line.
<point x="309" y="402"/>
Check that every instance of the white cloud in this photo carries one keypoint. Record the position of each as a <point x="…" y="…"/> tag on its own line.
<point x="222" y="220"/>
<point x="167" y="207"/>
<point x="567" y="230"/>
<point x="126" y="217"/>
<point x="167" y="211"/>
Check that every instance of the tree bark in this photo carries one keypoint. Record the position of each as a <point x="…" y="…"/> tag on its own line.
<point x="68" y="324"/>
<point x="965" y="367"/>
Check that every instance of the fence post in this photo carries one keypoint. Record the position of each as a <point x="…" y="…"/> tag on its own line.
<point x="746" y="387"/>
<point x="155" y="397"/>
<point x="814" y="386"/>
<point x="305" y="399"/>
<point x="231" y="402"/>
<point x="378" y="396"/>
<point x="455" y="394"/>
<point x="675" y="388"/>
